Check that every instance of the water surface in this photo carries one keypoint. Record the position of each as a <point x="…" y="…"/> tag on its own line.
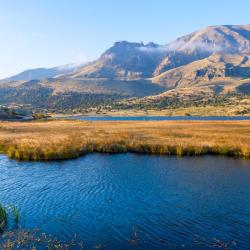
<point x="160" y="118"/>
<point x="129" y="201"/>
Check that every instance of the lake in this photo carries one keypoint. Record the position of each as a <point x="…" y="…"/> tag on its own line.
<point x="129" y="201"/>
<point x="160" y="118"/>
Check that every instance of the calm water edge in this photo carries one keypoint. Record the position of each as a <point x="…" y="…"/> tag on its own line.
<point x="160" y="118"/>
<point x="129" y="201"/>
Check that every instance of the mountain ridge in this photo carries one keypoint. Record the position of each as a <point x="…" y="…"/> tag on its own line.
<point x="215" y="59"/>
<point x="132" y="60"/>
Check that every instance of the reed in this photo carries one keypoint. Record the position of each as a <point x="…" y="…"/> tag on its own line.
<point x="3" y="219"/>
<point x="15" y="213"/>
<point x="58" y="140"/>
<point x="8" y="218"/>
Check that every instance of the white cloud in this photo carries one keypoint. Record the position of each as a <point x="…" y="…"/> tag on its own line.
<point x="180" y="45"/>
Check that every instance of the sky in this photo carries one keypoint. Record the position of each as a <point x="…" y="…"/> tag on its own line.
<point x="48" y="33"/>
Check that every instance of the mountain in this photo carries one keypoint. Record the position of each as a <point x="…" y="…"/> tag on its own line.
<point x="136" y="60"/>
<point x="43" y="73"/>
<point x="211" y="62"/>
<point x="124" y="60"/>
<point x="130" y="61"/>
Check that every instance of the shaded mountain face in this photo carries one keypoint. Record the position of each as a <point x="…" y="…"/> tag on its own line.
<point x="124" y="60"/>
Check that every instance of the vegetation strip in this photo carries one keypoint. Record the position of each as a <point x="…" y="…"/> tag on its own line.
<point x="58" y="140"/>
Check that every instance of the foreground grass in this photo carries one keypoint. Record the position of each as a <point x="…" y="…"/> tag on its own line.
<point x="34" y="239"/>
<point x="57" y="140"/>
<point x="12" y="236"/>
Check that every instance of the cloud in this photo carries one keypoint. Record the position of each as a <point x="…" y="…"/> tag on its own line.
<point x="180" y="45"/>
<point x="195" y="45"/>
<point x="70" y="67"/>
<point x="153" y="49"/>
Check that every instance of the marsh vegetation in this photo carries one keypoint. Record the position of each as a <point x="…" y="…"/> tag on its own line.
<point x="57" y="140"/>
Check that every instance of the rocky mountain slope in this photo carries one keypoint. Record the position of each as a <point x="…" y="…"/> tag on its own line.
<point x="124" y="60"/>
<point x="217" y="67"/>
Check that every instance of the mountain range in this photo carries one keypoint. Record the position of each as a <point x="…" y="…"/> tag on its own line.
<point x="214" y="60"/>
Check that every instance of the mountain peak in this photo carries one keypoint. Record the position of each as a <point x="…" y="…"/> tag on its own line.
<point x="214" y="39"/>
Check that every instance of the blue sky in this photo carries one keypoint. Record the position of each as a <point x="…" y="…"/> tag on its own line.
<point x="46" y="33"/>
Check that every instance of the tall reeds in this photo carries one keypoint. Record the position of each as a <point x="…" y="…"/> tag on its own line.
<point x="8" y="218"/>
<point x="3" y="219"/>
<point x="58" y="140"/>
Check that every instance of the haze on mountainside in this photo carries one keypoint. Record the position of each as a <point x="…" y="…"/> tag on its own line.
<point x="213" y="60"/>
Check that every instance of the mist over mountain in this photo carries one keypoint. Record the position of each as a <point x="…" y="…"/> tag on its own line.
<point x="43" y="73"/>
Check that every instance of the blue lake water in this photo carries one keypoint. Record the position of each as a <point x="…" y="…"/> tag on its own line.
<point x="128" y="201"/>
<point x="160" y="118"/>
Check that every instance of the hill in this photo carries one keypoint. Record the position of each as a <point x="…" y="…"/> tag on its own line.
<point x="67" y="93"/>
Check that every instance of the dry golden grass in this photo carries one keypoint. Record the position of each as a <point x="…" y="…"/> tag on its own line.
<point x="54" y="140"/>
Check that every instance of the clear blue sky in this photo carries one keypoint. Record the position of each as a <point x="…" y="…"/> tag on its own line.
<point x="45" y="33"/>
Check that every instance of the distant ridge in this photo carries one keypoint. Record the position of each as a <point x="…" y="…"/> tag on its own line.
<point x="43" y="73"/>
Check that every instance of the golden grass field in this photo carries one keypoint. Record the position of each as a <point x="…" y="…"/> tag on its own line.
<point x="53" y="140"/>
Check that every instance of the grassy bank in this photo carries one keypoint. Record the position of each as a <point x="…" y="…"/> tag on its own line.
<point x="57" y="140"/>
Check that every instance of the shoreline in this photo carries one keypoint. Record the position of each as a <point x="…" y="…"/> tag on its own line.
<point x="152" y="118"/>
<point x="208" y="110"/>
<point x="149" y="151"/>
<point x="139" y="114"/>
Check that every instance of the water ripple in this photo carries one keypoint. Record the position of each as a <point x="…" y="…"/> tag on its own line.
<point x="128" y="201"/>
